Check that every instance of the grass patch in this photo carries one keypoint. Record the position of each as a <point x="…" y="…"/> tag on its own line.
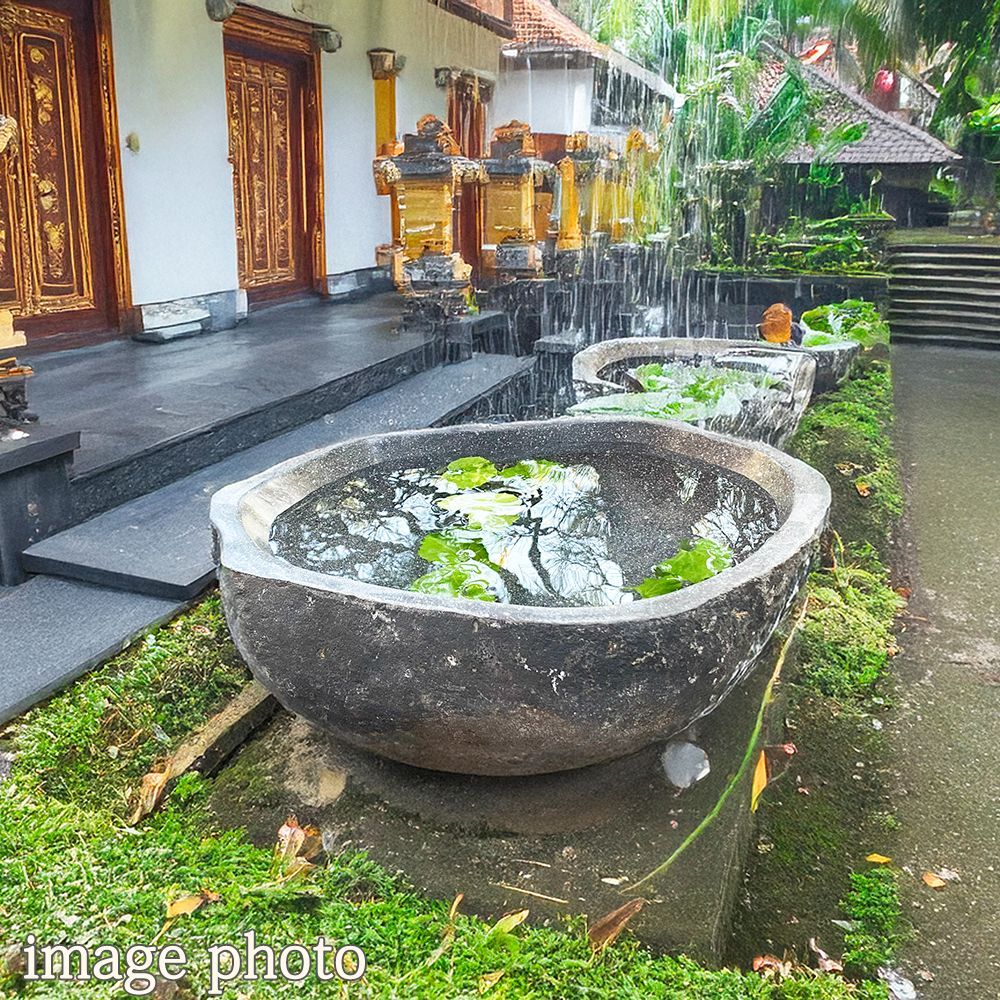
<point x="873" y="907"/>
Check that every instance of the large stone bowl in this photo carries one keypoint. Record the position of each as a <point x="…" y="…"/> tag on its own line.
<point x="599" y="370"/>
<point x="473" y="687"/>
<point x="833" y="362"/>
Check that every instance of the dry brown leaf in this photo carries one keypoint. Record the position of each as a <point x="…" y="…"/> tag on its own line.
<point x="759" y="781"/>
<point x="878" y="859"/>
<point x="768" y="963"/>
<point x="489" y="979"/>
<point x="847" y="468"/>
<point x="864" y="489"/>
<point x="312" y="843"/>
<point x="291" y="837"/>
<point x="823" y="961"/>
<point x="455" y="904"/>
<point x="149" y="795"/>
<point x="933" y="881"/>
<point x="904" y="592"/>
<point x="604" y="932"/>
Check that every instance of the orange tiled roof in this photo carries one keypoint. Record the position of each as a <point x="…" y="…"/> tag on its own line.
<point x="540" y="23"/>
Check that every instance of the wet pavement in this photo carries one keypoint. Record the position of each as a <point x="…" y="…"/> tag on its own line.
<point x="947" y="737"/>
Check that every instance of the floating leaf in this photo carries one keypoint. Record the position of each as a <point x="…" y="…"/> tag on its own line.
<point x="694" y="562"/>
<point x="878" y="859"/>
<point x="605" y="931"/>
<point x="532" y="470"/>
<point x="470" y="579"/>
<point x="759" y="781"/>
<point x="468" y="473"/>
<point x="486" y="509"/>
<point x="452" y="547"/>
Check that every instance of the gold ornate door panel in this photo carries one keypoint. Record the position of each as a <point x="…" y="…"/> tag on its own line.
<point x="53" y="258"/>
<point x="265" y="143"/>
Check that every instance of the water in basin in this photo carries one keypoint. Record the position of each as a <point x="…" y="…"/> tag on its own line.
<point x="553" y="530"/>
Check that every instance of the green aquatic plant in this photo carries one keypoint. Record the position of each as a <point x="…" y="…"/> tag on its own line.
<point x="691" y="393"/>
<point x="852" y="319"/>
<point x="473" y="471"/>
<point x="696" y="561"/>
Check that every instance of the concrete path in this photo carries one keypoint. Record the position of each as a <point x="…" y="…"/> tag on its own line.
<point x="947" y="738"/>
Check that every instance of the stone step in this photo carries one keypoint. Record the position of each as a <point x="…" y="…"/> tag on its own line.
<point x="160" y="544"/>
<point x="947" y="268"/>
<point x="938" y="338"/>
<point x="924" y="307"/>
<point x="56" y="630"/>
<point x="956" y="330"/>
<point x="963" y="292"/>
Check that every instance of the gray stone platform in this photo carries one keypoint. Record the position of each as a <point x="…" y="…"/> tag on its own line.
<point x="161" y="545"/>
<point x="54" y="630"/>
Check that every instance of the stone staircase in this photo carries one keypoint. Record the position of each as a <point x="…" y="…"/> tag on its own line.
<point x="946" y="293"/>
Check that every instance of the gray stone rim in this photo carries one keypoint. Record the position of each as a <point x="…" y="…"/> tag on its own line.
<point x="242" y="533"/>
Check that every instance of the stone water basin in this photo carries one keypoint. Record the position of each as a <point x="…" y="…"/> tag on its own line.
<point x="468" y="686"/>
<point x="770" y="416"/>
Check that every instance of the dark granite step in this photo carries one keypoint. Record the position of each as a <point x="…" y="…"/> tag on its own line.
<point x="160" y="544"/>
<point x="54" y="630"/>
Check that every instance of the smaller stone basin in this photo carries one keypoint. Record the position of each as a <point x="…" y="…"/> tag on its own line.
<point x="771" y="417"/>
<point x="833" y="362"/>
<point x="463" y="685"/>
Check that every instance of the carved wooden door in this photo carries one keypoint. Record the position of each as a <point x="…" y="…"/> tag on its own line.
<point x="55" y="268"/>
<point x="266" y="95"/>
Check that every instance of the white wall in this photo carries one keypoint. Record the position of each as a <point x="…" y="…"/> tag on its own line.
<point x="550" y="100"/>
<point x="170" y="81"/>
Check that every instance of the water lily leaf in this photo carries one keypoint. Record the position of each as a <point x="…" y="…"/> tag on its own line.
<point x="452" y="547"/>
<point x="486" y="509"/>
<point x="469" y="578"/>
<point x="694" y="562"/>
<point x="531" y="470"/>
<point x="468" y="473"/>
<point x="759" y="781"/>
<point x="605" y="931"/>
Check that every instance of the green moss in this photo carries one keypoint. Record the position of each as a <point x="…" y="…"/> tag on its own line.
<point x="874" y="910"/>
<point x="90" y="744"/>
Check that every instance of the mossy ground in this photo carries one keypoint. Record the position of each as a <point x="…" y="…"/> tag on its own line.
<point x="73" y="870"/>
<point x="832" y="808"/>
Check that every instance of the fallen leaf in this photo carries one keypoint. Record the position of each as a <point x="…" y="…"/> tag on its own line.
<point x="904" y="592"/>
<point x="150" y="793"/>
<point x="291" y="837"/>
<point x="823" y="961"/>
<point x="184" y="905"/>
<point x="455" y="904"/>
<point x="768" y="963"/>
<point x="926" y="975"/>
<point x="509" y="921"/>
<point x="603" y="932"/>
<point x="489" y="979"/>
<point x="878" y="859"/>
<point x="312" y="843"/>
<point x="892" y="650"/>
<point x="847" y="468"/>
<point x="201" y="629"/>
<point x="932" y="880"/>
<point x="759" y="781"/>
<point x="864" y="489"/>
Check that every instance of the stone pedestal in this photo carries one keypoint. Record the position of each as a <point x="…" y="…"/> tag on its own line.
<point x="34" y="490"/>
